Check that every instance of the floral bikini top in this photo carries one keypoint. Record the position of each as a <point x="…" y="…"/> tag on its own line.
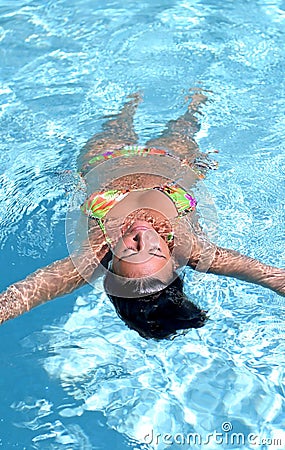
<point x="100" y="203"/>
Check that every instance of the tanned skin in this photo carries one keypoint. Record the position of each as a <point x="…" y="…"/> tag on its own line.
<point x="66" y="275"/>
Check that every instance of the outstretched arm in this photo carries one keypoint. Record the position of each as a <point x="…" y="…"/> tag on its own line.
<point x="230" y="263"/>
<point x="59" y="278"/>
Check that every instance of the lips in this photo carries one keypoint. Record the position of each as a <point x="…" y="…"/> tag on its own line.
<point x="140" y="225"/>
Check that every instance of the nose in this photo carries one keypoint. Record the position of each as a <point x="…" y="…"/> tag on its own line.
<point x="144" y="239"/>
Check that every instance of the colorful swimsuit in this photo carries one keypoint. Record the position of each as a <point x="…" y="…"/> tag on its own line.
<point x="100" y="203"/>
<point x="199" y="165"/>
<point x="131" y="150"/>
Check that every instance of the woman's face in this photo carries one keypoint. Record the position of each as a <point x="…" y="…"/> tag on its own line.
<point x="142" y="252"/>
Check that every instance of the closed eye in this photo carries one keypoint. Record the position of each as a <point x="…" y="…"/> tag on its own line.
<point x="130" y="248"/>
<point x="152" y="251"/>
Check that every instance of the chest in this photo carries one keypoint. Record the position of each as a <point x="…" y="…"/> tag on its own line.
<point x="150" y="199"/>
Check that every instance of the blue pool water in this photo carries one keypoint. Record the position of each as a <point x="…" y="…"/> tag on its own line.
<point x="72" y="375"/>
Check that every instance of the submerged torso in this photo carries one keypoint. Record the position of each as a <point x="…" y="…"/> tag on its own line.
<point x="142" y="187"/>
<point x="151" y="199"/>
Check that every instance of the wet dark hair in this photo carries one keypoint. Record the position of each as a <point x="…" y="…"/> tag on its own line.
<point x="158" y="314"/>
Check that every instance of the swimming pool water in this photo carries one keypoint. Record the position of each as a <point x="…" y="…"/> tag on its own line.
<point x="72" y="375"/>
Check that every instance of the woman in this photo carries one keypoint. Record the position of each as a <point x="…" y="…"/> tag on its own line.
<point x="143" y="226"/>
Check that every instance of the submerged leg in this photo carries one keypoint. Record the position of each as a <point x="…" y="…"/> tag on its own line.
<point x="117" y="132"/>
<point x="178" y="137"/>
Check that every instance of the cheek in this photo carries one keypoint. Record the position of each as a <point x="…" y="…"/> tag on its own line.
<point x="124" y="269"/>
<point x="118" y="247"/>
<point x="166" y="247"/>
<point x="116" y="265"/>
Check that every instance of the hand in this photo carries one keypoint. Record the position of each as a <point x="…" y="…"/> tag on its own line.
<point x="11" y="304"/>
